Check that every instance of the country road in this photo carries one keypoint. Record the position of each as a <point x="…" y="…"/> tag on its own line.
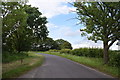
<point x="58" y="67"/>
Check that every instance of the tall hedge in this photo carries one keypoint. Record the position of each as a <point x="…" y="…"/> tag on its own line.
<point x="114" y="56"/>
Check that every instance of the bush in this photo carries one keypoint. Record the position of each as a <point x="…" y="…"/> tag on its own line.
<point x="68" y="51"/>
<point x="98" y="53"/>
<point x="88" y="52"/>
<point x="95" y="52"/>
<point x="53" y="50"/>
<point x="9" y="57"/>
<point x="114" y="58"/>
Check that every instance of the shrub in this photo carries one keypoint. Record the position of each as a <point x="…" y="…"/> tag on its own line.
<point x="98" y="53"/>
<point x="95" y="52"/>
<point x="114" y="59"/>
<point x="76" y="52"/>
<point x="68" y="51"/>
<point x="88" y="52"/>
<point x="9" y="57"/>
<point x="53" y="50"/>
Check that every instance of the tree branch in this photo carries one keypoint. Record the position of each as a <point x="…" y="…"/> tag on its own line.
<point x="111" y="43"/>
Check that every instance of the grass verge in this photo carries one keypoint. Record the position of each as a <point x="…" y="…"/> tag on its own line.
<point x="96" y="63"/>
<point x="16" y="68"/>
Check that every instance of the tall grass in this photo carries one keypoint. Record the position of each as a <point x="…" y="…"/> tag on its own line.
<point x="15" y="68"/>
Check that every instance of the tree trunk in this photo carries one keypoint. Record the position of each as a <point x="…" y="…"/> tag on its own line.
<point x="105" y="53"/>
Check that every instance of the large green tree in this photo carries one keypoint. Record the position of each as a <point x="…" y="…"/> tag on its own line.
<point x="49" y="43"/>
<point x="23" y="26"/>
<point x="63" y="44"/>
<point x="102" y="21"/>
<point x="37" y="24"/>
<point x="14" y="31"/>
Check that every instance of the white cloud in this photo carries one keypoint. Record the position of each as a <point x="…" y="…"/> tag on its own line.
<point x="71" y="33"/>
<point x="64" y="31"/>
<point x="50" y="25"/>
<point x="87" y="43"/>
<point x="52" y="8"/>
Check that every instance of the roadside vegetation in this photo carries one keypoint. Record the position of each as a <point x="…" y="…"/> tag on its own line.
<point x="13" y="67"/>
<point x="24" y="29"/>
<point x="92" y="57"/>
<point x="101" y="23"/>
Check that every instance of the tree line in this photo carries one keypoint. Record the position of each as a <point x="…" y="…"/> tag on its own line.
<point x="24" y="28"/>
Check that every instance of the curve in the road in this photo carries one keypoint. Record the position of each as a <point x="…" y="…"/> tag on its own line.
<point x="58" y="67"/>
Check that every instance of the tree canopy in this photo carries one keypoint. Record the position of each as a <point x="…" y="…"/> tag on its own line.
<point x="24" y="29"/>
<point x="23" y="26"/>
<point x="44" y="45"/>
<point x="102" y="21"/>
<point x="63" y="44"/>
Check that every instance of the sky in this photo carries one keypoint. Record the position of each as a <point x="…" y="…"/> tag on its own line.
<point x="62" y="23"/>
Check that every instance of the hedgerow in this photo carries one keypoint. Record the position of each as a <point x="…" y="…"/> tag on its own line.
<point x="114" y="56"/>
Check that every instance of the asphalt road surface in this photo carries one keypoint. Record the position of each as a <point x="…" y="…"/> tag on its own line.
<point x="58" y="67"/>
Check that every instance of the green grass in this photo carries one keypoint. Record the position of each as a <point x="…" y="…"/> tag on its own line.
<point x="96" y="63"/>
<point x="14" y="69"/>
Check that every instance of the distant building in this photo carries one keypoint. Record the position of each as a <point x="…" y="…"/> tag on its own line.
<point x="118" y="43"/>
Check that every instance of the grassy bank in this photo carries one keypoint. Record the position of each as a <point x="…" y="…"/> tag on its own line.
<point x="96" y="63"/>
<point x="16" y="68"/>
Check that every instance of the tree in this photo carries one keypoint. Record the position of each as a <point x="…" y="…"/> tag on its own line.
<point x="23" y="26"/>
<point x="50" y="44"/>
<point x="45" y="45"/>
<point x="37" y="24"/>
<point x="63" y="44"/>
<point x="14" y="27"/>
<point x="102" y="21"/>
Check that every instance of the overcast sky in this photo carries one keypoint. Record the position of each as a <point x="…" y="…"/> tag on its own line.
<point x="61" y="22"/>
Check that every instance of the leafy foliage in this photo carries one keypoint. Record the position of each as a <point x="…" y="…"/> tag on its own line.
<point x="36" y="22"/>
<point x="114" y="59"/>
<point x="13" y="57"/>
<point x="63" y="44"/>
<point x="44" y="45"/>
<point x="68" y="51"/>
<point x="102" y="21"/>
<point x="23" y="26"/>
